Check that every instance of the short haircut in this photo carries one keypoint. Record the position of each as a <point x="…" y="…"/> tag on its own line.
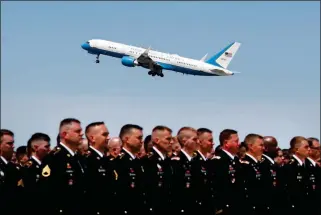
<point x="201" y="131"/>
<point x="226" y="135"/>
<point x="162" y="128"/>
<point x="126" y="129"/>
<point x="296" y="142"/>
<point x="250" y="138"/>
<point x="35" y="137"/>
<point x="93" y="124"/>
<point x="21" y="150"/>
<point x="181" y="130"/>
<point x="147" y="139"/>
<point x="311" y="139"/>
<point x="68" y="121"/>
<point x="5" y="132"/>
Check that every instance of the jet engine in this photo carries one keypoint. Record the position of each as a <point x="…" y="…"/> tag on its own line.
<point x="129" y="61"/>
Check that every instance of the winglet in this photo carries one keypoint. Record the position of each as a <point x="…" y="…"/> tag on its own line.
<point x="203" y="58"/>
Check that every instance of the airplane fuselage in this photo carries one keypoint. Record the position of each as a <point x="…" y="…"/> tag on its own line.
<point x="173" y="62"/>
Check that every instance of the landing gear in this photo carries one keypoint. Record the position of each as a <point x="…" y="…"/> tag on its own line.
<point x="158" y="73"/>
<point x="97" y="59"/>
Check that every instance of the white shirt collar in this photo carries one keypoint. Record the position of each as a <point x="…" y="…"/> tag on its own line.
<point x="228" y="153"/>
<point x="187" y="155"/>
<point x="300" y="162"/>
<point x="131" y="155"/>
<point x="159" y="153"/>
<point x="270" y="159"/>
<point x="251" y="157"/>
<point x="4" y="160"/>
<point x="312" y="161"/>
<point x="202" y="155"/>
<point x="36" y="159"/>
<point x="68" y="149"/>
<point x="98" y="152"/>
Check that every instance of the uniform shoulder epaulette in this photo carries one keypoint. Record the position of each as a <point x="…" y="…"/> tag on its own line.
<point x="292" y="161"/>
<point x="150" y="154"/>
<point x="28" y="164"/>
<point x="87" y="153"/>
<point x="176" y="158"/>
<point x="121" y="155"/>
<point x="55" y="150"/>
<point x="245" y="162"/>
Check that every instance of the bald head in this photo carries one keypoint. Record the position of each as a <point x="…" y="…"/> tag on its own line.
<point x="270" y="145"/>
<point x="114" y="146"/>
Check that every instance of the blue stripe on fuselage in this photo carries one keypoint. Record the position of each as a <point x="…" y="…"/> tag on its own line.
<point x="165" y="66"/>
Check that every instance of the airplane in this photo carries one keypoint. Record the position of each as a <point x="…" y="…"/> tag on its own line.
<point x="156" y="62"/>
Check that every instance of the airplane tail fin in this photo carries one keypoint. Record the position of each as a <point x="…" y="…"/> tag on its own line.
<point x="224" y="57"/>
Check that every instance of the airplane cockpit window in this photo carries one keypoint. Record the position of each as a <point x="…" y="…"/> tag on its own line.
<point x="87" y="42"/>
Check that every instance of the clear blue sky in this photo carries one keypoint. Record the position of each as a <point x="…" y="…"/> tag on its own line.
<point x="46" y="76"/>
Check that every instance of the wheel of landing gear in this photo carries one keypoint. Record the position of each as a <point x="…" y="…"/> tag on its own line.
<point x="97" y="61"/>
<point x="153" y="74"/>
<point x="150" y="72"/>
<point x="161" y="75"/>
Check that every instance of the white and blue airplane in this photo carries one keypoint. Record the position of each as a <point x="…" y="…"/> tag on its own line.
<point x="156" y="61"/>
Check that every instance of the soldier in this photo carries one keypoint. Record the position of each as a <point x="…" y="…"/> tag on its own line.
<point x="11" y="183"/>
<point x="314" y="170"/>
<point x="273" y="192"/>
<point x="114" y="147"/>
<point x="128" y="172"/>
<point x="62" y="174"/>
<point x="38" y="147"/>
<point x="252" y="172"/>
<point x="99" y="174"/>
<point x="183" y="198"/>
<point x="203" y="190"/>
<point x="158" y="171"/>
<point x="295" y="178"/>
<point x="226" y="175"/>
<point x="21" y="154"/>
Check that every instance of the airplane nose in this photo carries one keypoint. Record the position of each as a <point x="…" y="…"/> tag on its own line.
<point x="85" y="46"/>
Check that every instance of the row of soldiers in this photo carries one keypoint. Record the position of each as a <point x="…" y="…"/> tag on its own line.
<point x="66" y="182"/>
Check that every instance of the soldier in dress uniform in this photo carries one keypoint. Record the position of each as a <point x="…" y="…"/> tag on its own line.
<point x="314" y="171"/>
<point x="38" y="147"/>
<point x="114" y="147"/>
<point x="203" y="190"/>
<point x="128" y="173"/>
<point x="226" y="175"/>
<point x="257" y="202"/>
<point x="99" y="174"/>
<point x="62" y="179"/>
<point x="11" y="183"/>
<point x="158" y="171"/>
<point x="183" y="198"/>
<point x="295" y="178"/>
<point x="273" y="194"/>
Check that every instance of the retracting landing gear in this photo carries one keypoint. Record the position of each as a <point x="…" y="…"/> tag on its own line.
<point x="158" y="73"/>
<point x="97" y="59"/>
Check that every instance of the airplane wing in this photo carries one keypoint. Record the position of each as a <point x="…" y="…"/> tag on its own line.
<point x="145" y="61"/>
<point x="203" y="58"/>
